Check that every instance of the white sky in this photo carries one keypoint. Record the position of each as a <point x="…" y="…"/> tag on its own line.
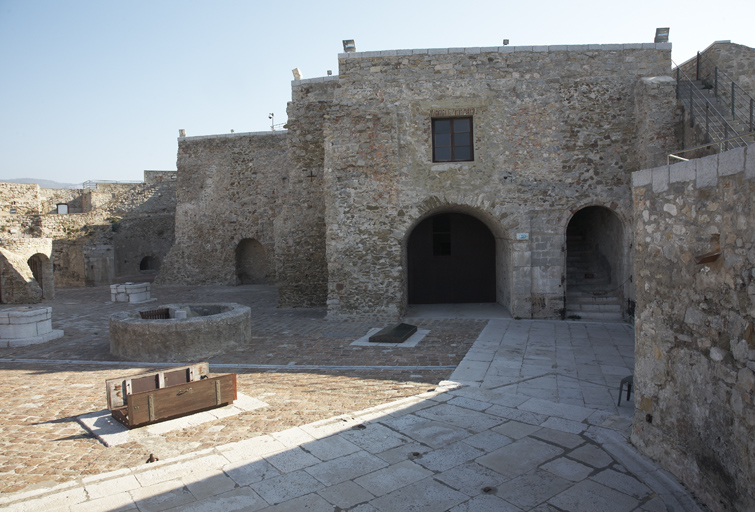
<point x="98" y="89"/>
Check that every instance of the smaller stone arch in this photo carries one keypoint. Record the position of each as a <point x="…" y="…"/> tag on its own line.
<point x="149" y="264"/>
<point x="597" y="265"/>
<point x="41" y="269"/>
<point x="252" y="265"/>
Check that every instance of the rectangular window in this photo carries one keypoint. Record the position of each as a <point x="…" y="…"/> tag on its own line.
<point x="452" y="140"/>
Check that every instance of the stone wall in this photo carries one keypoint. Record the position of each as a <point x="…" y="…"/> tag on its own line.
<point x="229" y="189"/>
<point x="695" y="342"/>
<point x="300" y="227"/>
<point x="556" y="129"/>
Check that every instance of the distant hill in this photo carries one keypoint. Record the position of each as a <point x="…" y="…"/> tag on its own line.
<point x="41" y="183"/>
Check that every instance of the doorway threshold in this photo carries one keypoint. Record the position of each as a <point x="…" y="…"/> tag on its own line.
<point x="479" y="311"/>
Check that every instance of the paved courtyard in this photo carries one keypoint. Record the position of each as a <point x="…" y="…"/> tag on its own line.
<point x="485" y="413"/>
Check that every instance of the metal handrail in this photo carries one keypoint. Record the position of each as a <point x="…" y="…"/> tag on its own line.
<point x="703" y="146"/>
<point x="741" y="104"/>
<point x="717" y="127"/>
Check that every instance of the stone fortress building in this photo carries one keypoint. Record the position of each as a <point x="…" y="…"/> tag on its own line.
<point x="454" y="175"/>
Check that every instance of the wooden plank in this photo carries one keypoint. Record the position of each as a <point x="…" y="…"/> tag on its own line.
<point x="394" y="334"/>
<point x="176" y="401"/>
<point x="118" y="388"/>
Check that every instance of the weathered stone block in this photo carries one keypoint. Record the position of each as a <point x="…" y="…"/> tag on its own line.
<point x="683" y="171"/>
<point x="660" y="179"/>
<point x="706" y="170"/>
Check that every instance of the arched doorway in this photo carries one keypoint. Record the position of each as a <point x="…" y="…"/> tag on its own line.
<point x="41" y="269"/>
<point x="149" y="264"/>
<point x="251" y="262"/>
<point x="451" y="259"/>
<point x="595" y="265"/>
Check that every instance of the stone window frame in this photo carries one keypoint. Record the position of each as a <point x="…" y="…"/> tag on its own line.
<point x="453" y="134"/>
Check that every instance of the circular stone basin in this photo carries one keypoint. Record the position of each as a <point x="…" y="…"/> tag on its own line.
<point x="189" y="333"/>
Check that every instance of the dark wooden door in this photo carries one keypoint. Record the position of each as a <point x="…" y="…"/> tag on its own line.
<point x="451" y="260"/>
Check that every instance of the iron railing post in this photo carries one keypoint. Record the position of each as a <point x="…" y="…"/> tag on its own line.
<point x="707" y="122"/>
<point x="715" y="82"/>
<point x="691" y="109"/>
<point x="726" y="137"/>
<point x="697" y="72"/>
<point x="733" y="114"/>
<point x="752" y="125"/>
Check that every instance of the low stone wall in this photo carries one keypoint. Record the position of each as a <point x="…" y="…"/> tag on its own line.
<point x="695" y="331"/>
<point x="193" y="332"/>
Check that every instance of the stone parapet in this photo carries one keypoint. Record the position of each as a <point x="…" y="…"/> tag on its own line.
<point x="695" y="316"/>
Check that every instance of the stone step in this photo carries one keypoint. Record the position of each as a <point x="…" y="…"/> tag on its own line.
<point x="581" y="307"/>
<point x="594" y="316"/>
<point x="587" y="299"/>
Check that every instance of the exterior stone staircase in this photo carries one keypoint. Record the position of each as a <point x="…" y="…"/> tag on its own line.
<point x="712" y="115"/>
<point x="589" y="292"/>
<point x="715" y="106"/>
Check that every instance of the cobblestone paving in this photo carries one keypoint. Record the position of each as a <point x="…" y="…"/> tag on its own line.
<point x="42" y="444"/>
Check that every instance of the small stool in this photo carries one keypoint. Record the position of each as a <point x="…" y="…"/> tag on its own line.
<point x="628" y="381"/>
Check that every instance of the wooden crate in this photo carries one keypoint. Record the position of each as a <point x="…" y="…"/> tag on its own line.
<point x="152" y="397"/>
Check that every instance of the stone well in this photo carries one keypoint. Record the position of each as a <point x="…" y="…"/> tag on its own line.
<point x="130" y="292"/>
<point x="189" y="333"/>
<point x="26" y="325"/>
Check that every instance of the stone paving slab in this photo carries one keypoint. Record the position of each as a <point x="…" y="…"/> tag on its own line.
<point x="542" y="468"/>
<point x="516" y="451"/>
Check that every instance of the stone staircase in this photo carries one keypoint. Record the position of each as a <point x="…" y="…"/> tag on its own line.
<point x="589" y="292"/>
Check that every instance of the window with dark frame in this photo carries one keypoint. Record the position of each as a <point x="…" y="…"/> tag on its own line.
<point x="452" y="140"/>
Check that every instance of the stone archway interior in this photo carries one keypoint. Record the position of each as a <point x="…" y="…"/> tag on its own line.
<point x="251" y="262"/>
<point x="41" y="269"/>
<point x="594" y="264"/>
<point x="451" y="259"/>
<point x="149" y="263"/>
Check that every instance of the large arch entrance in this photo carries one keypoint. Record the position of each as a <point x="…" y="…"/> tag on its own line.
<point x="251" y="262"/>
<point x="595" y="265"/>
<point x="451" y="259"/>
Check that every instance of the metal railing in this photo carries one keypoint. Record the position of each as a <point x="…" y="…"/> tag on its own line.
<point x="741" y="106"/>
<point x="715" y="125"/>
<point x="675" y="155"/>
<point x="93" y="183"/>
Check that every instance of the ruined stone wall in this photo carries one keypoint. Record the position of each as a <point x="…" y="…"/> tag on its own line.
<point x="152" y="177"/>
<point x="555" y="129"/>
<point x="17" y="202"/>
<point x="139" y="237"/>
<point x="695" y="338"/>
<point x="228" y="189"/>
<point x="17" y="282"/>
<point x="51" y="197"/>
